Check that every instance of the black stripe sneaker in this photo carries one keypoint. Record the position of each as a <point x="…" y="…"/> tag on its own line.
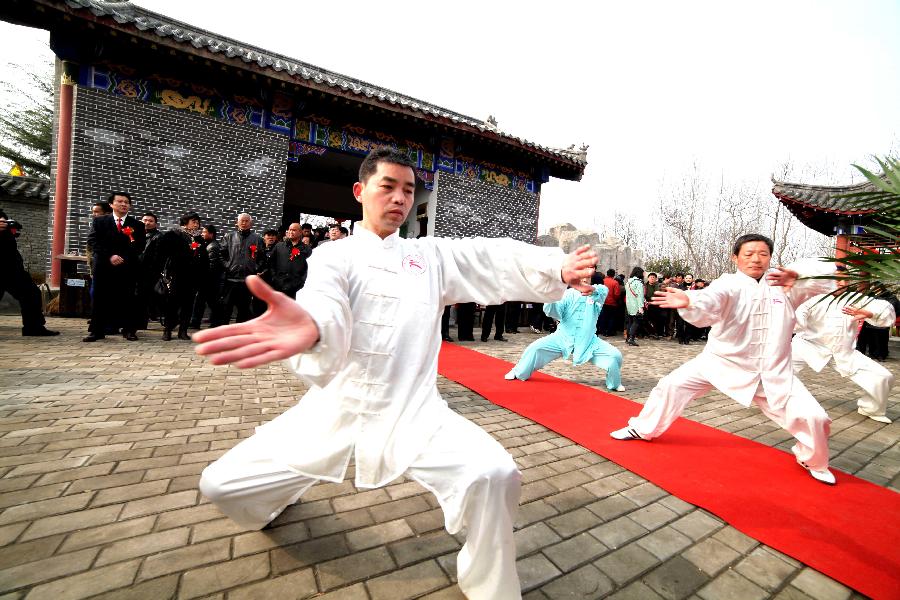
<point x="627" y="433"/>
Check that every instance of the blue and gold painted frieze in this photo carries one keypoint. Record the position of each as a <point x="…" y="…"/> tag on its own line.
<point x="310" y="134"/>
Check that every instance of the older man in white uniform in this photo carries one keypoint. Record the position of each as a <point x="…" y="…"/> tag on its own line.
<point x="748" y="355"/>
<point x="826" y="330"/>
<point x="363" y="333"/>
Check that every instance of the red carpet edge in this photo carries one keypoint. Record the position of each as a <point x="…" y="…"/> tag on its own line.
<point x="850" y="532"/>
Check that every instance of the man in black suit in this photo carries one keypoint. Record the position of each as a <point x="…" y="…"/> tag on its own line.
<point x="117" y="241"/>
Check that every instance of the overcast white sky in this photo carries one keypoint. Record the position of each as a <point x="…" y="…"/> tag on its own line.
<point x="653" y="87"/>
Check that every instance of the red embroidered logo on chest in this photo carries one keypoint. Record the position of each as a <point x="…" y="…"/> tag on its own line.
<point x="414" y="264"/>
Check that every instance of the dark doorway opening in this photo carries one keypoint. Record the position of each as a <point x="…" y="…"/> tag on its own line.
<point x="322" y="186"/>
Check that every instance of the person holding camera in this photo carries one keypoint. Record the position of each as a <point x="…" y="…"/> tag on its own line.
<point x="16" y="281"/>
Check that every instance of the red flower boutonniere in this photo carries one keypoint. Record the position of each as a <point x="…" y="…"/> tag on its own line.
<point x="253" y="251"/>
<point x="129" y="232"/>
<point x="195" y="246"/>
<point x="294" y="252"/>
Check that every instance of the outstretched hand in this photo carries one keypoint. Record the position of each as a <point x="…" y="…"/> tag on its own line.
<point x="578" y="266"/>
<point x="782" y="277"/>
<point x="670" y="297"/>
<point x="284" y="330"/>
<point x="858" y="314"/>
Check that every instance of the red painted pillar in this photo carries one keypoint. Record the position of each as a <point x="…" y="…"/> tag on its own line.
<point x="842" y="246"/>
<point x="63" y="161"/>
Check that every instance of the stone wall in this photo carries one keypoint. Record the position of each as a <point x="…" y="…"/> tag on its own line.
<point x="32" y="214"/>
<point x="171" y="162"/>
<point x="468" y="208"/>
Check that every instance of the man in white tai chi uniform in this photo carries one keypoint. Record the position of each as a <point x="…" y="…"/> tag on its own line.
<point x="748" y="355"/>
<point x="826" y="329"/>
<point x="363" y="333"/>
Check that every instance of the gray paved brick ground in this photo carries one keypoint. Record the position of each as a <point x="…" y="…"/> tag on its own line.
<point x="101" y="447"/>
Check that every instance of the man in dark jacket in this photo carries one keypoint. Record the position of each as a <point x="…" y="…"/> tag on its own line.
<point x="243" y="253"/>
<point x="287" y="263"/>
<point x="210" y="290"/>
<point x="181" y="254"/>
<point x="16" y="281"/>
<point x="117" y="241"/>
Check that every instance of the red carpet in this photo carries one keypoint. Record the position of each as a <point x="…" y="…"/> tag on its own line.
<point x="850" y="532"/>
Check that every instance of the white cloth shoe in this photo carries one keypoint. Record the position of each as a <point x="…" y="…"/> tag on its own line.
<point x="825" y="476"/>
<point x="879" y="418"/>
<point x="534" y="329"/>
<point x="626" y="433"/>
<point x="621" y="388"/>
<point x="509" y="376"/>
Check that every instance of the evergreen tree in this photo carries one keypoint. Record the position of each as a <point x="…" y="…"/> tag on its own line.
<point x="26" y="126"/>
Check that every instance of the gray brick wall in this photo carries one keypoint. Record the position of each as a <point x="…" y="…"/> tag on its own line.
<point x="32" y="214"/>
<point x="469" y="208"/>
<point x="171" y="162"/>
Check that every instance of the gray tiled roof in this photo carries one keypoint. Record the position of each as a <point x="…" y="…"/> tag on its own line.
<point x="126" y="13"/>
<point x="29" y="187"/>
<point x="823" y="197"/>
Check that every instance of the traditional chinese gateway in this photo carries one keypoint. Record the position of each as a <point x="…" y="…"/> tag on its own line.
<point x="186" y="119"/>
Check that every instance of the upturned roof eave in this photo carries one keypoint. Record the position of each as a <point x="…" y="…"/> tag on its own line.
<point x="135" y="20"/>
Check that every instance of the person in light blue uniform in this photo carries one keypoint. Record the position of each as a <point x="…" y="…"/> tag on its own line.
<point x="575" y="337"/>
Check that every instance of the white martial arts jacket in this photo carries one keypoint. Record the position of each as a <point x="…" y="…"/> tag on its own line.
<point x="750" y="341"/>
<point x="373" y="373"/>
<point x="823" y="331"/>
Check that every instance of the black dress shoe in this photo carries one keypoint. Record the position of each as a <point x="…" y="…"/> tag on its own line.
<point x="484" y="339"/>
<point x="92" y="337"/>
<point x="467" y="339"/>
<point x="446" y="338"/>
<point x="42" y="332"/>
<point x="167" y="335"/>
<point x="183" y="335"/>
<point x="499" y="339"/>
<point x="130" y="336"/>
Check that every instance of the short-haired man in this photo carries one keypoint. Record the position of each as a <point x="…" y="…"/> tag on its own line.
<point x="748" y="356"/>
<point x="210" y="290"/>
<point x="337" y="232"/>
<point x="306" y="231"/>
<point x="287" y="264"/>
<point x="243" y="254"/>
<point x="151" y="227"/>
<point x="354" y="334"/>
<point x="653" y="326"/>
<point x="117" y="242"/>
<point x="100" y="208"/>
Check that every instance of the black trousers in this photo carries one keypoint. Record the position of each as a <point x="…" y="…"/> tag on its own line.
<point x="180" y="306"/>
<point x="18" y="284"/>
<point x="492" y="313"/>
<point x="465" y="321"/>
<point x="235" y="296"/>
<point x="632" y="322"/>
<point x="114" y="302"/>
<point x="445" y="323"/>
<point x="513" y="309"/>
<point x="606" y="322"/>
<point x="208" y="294"/>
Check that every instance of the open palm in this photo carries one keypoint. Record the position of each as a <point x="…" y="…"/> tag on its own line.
<point x="284" y="330"/>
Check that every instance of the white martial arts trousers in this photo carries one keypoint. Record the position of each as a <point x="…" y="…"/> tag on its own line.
<point x="802" y="416"/>
<point x="474" y="478"/>
<point x="875" y="381"/>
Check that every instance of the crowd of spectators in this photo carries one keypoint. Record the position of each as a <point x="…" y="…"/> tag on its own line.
<point x="186" y="273"/>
